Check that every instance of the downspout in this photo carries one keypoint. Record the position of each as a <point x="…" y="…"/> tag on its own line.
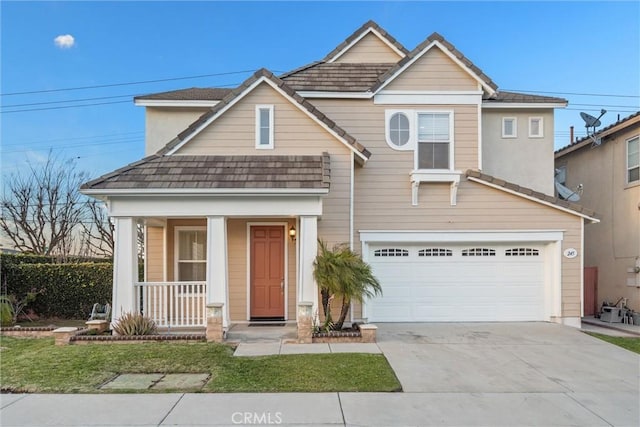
<point x="351" y="187"/>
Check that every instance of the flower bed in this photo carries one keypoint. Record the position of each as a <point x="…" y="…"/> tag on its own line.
<point x="85" y="338"/>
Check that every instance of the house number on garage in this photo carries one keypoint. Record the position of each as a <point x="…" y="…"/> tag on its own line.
<point x="570" y="253"/>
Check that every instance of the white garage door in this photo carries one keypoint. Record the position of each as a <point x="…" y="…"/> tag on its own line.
<point x="457" y="283"/>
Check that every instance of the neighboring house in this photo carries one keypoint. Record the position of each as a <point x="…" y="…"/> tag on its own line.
<point x="442" y="182"/>
<point x="608" y="167"/>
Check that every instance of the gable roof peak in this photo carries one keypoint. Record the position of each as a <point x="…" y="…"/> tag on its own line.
<point x="238" y="93"/>
<point x="360" y="32"/>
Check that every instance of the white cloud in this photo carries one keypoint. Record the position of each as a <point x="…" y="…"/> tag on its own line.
<point x="64" y="41"/>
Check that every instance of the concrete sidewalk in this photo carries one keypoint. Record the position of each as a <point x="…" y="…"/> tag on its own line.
<point x="278" y="347"/>
<point x="318" y="409"/>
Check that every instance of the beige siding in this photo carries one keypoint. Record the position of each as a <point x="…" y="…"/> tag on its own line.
<point x="523" y="160"/>
<point x="163" y="124"/>
<point x="614" y="243"/>
<point x="237" y="235"/>
<point x="434" y="71"/>
<point x="383" y="191"/>
<point x="154" y="253"/>
<point x="295" y="134"/>
<point x="369" y="49"/>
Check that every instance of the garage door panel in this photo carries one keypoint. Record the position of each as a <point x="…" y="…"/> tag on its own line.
<point x="456" y="287"/>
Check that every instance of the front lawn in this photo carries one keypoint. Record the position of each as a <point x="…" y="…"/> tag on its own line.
<point x="37" y="365"/>
<point x="631" y="343"/>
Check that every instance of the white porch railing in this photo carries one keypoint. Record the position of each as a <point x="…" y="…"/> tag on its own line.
<point x="173" y="304"/>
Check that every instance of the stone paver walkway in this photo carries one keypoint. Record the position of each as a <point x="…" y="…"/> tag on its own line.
<point x="156" y="382"/>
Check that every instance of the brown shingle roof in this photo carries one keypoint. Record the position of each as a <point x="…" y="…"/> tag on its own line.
<point x="190" y="94"/>
<point x="432" y="38"/>
<point x="579" y="209"/>
<point x="282" y="86"/>
<point x="336" y="77"/>
<point x="218" y="172"/>
<point x="358" y="32"/>
<point x="516" y="97"/>
<point x="612" y="128"/>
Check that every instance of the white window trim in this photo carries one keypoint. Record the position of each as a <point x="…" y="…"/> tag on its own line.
<point x="411" y="143"/>
<point x="271" y="132"/>
<point x="515" y="127"/>
<point x="626" y="160"/>
<point x="176" y="246"/>
<point x="541" y="127"/>
<point x="451" y="167"/>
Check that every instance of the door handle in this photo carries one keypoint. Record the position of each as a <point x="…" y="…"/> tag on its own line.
<point x="282" y="285"/>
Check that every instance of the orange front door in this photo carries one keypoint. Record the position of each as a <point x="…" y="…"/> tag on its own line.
<point x="267" y="271"/>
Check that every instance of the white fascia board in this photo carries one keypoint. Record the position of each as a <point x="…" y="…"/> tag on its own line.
<point x="360" y="37"/>
<point x="331" y="95"/>
<point x="426" y="98"/>
<point x="446" y="51"/>
<point x="507" y="105"/>
<point x="205" y="191"/>
<point x="198" y="206"/>
<point x="282" y="93"/>
<point x="174" y="103"/>
<point x="455" y="236"/>
<point x="533" y="199"/>
<point x="218" y="114"/>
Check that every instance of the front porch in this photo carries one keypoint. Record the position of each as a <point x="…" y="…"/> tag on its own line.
<point x="252" y="268"/>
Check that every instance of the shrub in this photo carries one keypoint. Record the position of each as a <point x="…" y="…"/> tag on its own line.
<point x="135" y="324"/>
<point x="64" y="290"/>
<point x="6" y="311"/>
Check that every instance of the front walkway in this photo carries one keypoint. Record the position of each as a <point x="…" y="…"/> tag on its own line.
<point x="272" y="340"/>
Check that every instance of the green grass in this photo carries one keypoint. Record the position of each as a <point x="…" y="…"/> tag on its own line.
<point x="37" y="365"/>
<point x="632" y="344"/>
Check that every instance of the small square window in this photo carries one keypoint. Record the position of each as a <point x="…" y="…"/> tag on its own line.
<point x="509" y="127"/>
<point x="536" y="127"/>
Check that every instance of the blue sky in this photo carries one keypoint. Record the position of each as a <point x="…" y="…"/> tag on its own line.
<point x="560" y="48"/>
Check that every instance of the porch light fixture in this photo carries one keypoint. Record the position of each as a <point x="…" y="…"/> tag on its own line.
<point x="292" y="233"/>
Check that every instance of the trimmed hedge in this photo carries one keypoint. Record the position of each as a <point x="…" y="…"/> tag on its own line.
<point x="66" y="290"/>
<point x="11" y="259"/>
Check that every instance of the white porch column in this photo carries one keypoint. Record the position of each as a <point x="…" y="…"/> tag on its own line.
<point x="217" y="265"/>
<point x="308" y="250"/>
<point x="125" y="266"/>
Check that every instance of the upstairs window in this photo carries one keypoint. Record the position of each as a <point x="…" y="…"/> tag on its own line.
<point x="434" y="141"/>
<point x="264" y="126"/>
<point x="536" y="127"/>
<point x="633" y="160"/>
<point x="399" y="130"/>
<point x="509" y="127"/>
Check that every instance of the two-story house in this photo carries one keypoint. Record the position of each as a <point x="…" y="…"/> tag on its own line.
<point x="442" y="182"/>
<point x="607" y="165"/>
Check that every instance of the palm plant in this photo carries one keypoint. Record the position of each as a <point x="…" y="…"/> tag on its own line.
<point x="340" y="272"/>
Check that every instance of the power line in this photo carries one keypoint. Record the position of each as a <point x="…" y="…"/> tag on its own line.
<point x="64" y="106"/>
<point x="68" y="100"/>
<point x="75" y="138"/>
<point x="116" y="142"/>
<point x="573" y="93"/>
<point x="126" y="83"/>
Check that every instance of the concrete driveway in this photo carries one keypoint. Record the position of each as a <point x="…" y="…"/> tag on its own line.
<point x="529" y="373"/>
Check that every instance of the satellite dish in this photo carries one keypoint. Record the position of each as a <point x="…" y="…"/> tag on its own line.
<point x="568" y="194"/>
<point x="593" y="123"/>
<point x="590" y="121"/>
